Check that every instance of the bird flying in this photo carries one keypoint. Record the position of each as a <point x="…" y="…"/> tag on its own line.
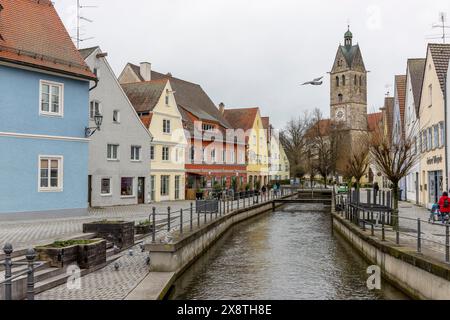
<point x="315" y="82"/>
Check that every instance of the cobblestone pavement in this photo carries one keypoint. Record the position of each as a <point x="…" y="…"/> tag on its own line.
<point x="27" y="233"/>
<point x="107" y="283"/>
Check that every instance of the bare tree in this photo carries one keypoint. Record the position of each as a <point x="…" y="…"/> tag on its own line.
<point x="358" y="161"/>
<point x="293" y="140"/>
<point x="395" y="159"/>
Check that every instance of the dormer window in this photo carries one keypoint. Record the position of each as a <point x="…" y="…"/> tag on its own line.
<point x="208" y="127"/>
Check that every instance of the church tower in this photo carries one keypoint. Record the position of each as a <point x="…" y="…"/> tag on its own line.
<point x="348" y="98"/>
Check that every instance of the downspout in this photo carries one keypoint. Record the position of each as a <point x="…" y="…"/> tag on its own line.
<point x="95" y="86"/>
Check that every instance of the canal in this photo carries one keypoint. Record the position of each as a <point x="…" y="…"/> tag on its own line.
<point x="288" y="254"/>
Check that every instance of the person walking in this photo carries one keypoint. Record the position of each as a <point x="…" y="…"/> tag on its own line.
<point x="444" y="207"/>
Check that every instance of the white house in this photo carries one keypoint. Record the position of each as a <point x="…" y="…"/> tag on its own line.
<point x="119" y="154"/>
<point x="414" y="78"/>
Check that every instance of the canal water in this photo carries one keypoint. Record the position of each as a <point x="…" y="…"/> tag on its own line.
<point x="287" y="255"/>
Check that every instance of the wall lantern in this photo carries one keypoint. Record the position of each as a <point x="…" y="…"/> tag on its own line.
<point x="98" y="119"/>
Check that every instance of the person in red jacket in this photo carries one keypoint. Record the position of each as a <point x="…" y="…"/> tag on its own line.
<point x="444" y="206"/>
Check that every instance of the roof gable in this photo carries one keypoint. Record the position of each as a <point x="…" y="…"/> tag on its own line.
<point x="34" y="35"/>
<point x="416" y="71"/>
<point x="400" y="90"/>
<point x="440" y="54"/>
<point x="352" y="57"/>
<point x="144" y="95"/>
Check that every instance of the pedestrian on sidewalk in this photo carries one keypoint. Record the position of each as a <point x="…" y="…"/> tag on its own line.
<point x="444" y="207"/>
<point x="434" y="213"/>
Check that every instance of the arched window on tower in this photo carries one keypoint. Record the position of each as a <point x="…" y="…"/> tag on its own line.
<point x="360" y="81"/>
<point x="337" y="81"/>
<point x="356" y="80"/>
<point x="343" y="81"/>
<point x="340" y="97"/>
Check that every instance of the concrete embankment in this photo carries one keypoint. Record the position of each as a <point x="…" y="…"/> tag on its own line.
<point x="418" y="276"/>
<point x="169" y="261"/>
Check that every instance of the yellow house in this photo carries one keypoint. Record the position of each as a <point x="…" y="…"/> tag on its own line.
<point x="249" y="120"/>
<point x="155" y="103"/>
<point x="432" y="125"/>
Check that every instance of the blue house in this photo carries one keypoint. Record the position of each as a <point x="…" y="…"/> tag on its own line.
<point x="44" y="98"/>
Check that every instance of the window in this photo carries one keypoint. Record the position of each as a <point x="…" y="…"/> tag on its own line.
<point x="213" y="155"/>
<point x="355" y="81"/>
<point x="337" y="81"/>
<point x="361" y="80"/>
<point x="166" y="126"/>
<point x="425" y="142"/>
<point x="51" y="98"/>
<point x="94" y="109"/>
<point x="165" y="153"/>
<point x="207" y="127"/>
<point x="50" y="173"/>
<point x="135" y="153"/>
<point x="192" y="156"/>
<point x="152" y="152"/>
<point x="165" y="185"/>
<point x="167" y="99"/>
<point x="442" y="133"/>
<point x="343" y="81"/>
<point x="116" y="116"/>
<point x="436" y="137"/>
<point x="106" y="186"/>
<point x="430" y="139"/>
<point x="177" y="187"/>
<point x="224" y="156"/>
<point x="340" y="97"/>
<point x="112" y="152"/>
<point x="126" y="187"/>
<point x="232" y="156"/>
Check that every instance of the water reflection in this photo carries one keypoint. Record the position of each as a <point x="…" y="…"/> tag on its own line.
<point x="286" y="255"/>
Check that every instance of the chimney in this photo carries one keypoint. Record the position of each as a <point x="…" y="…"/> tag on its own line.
<point x="221" y="108"/>
<point x="146" y="71"/>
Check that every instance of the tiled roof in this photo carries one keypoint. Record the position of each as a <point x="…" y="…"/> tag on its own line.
<point x="265" y="122"/>
<point x="241" y="118"/>
<point x="441" y="56"/>
<point x="374" y="120"/>
<point x="190" y="96"/>
<point x="32" y="34"/>
<point x="388" y="109"/>
<point x="144" y="95"/>
<point x="416" y="69"/>
<point x="400" y="84"/>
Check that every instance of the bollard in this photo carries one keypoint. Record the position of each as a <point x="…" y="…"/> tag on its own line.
<point x="31" y="255"/>
<point x="154" y="224"/>
<point x="198" y="215"/>
<point x="168" y="218"/>
<point x="204" y="211"/>
<point x="419" y="239"/>
<point x="383" y="234"/>
<point x="192" y="216"/>
<point x="8" y="249"/>
<point x="232" y="201"/>
<point x="447" y="244"/>
<point x="181" y="221"/>
<point x="372" y="230"/>
<point x="364" y="225"/>
<point x="238" y="199"/>
<point x="397" y="235"/>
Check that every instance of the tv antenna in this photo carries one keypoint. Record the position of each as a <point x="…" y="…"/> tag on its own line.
<point x="441" y="25"/>
<point x="79" y="18"/>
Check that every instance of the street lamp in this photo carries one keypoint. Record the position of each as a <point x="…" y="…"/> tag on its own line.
<point x="98" y="119"/>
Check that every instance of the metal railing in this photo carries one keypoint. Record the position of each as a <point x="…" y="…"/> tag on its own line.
<point x="9" y="276"/>
<point x="386" y="223"/>
<point x="207" y="211"/>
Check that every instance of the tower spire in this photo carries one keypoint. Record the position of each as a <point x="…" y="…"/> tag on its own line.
<point x="348" y="37"/>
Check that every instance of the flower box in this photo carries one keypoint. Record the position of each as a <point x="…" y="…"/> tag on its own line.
<point x="120" y="233"/>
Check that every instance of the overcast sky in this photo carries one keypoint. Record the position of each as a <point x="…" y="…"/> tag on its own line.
<point x="257" y="52"/>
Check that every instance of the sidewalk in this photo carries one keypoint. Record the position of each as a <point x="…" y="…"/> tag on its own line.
<point x="27" y="233"/>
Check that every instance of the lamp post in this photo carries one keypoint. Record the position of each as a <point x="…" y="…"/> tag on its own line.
<point x="98" y="119"/>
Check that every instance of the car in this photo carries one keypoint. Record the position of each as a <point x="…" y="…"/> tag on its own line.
<point x="342" y="188"/>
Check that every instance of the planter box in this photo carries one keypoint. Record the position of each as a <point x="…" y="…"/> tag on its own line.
<point x="91" y="255"/>
<point x="143" y="229"/>
<point x="85" y="255"/>
<point x="120" y="233"/>
<point x="58" y="257"/>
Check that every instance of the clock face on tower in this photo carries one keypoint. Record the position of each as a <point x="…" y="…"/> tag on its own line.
<point x="340" y="114"/>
